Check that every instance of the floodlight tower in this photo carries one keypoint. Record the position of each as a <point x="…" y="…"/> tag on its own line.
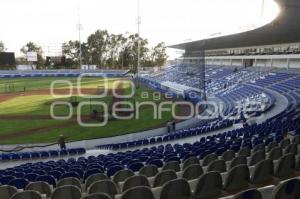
<point x="79" y="27"/>
<point x="139" y="40"/>
<point x="262" y="12"/>
<point x="138" y="65"/>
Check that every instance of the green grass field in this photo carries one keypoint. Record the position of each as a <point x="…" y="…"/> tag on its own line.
<point x="25" y="117"/>
<point x="45" y="83"/>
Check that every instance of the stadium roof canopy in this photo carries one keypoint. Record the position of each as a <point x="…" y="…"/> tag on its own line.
<point x="284" y="29"/>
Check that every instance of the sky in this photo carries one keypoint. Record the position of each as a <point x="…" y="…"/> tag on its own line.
<point x="49" y="23"/>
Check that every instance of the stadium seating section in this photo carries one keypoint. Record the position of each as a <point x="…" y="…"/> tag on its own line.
<point x="261" y="160"/>
<point x="40" y="154"/>
<point x="164" y="171"/>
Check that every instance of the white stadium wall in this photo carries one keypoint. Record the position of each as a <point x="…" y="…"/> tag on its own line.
<point x="237" y="62"/>
<point x="280" y="63"/>
<point x="26" y="67"/>
<point x="294" y="63"/>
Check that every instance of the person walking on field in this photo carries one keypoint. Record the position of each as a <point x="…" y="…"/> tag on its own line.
<point x="169" y="127"/>
<point x="173" y="126"/>
<point x="62" y="142"/>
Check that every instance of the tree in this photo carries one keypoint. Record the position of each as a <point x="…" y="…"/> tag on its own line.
<point x="131" y="50"/>
<point x="32" y="47"/>
<point x="2" y="47"/>
<point x="85" y="54"/>
<point x="114" y="50"/>
<point x="71" y="50"/>
<point x="123" y="55"/>
<point x="98" y="47"/>
<point x="159" y="55"/>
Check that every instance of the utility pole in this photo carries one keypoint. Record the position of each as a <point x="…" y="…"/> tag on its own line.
<point x="139" y="40"/>
<point x="262" y="12"/>
<point x="139" y="47"/>
<point x="79" y="27"/>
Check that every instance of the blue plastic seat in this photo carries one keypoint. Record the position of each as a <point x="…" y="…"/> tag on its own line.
<point x="25" y="156"/>
<point x="5" y="157"/>
<point x="63" y="153"/>
<point x="47" y="178"/>
<point x="70" y="175"/>
<point x="31" y="176"/>
<point x="173" y="158"/>
<point x="77" y="170"/>
<point x="15" y="156"/>
<point x="56" y="174"/>
<point x="5" y="180"/>
<point x="35" y="155"/>
<point x="44" y="154"/>
<point x="136" y="166"/>
<point x="95" y="166"/>
<point x="156" y="162"/>
<point x="111" y="164"/>
<point x="143" y="158"/>
<point x="19" y="183"/>
<point x="54" y="153"/>
<point x="60" y="169"/>
<point x="90" y="172"/>
<point x="125" y="161"/>
<point x="72" y="151"/>
<point x="81" y="151"/>
<point x="113" y="170"/>
<point x="19" y="175"/>
<point x="187" y="156"/>
<point x="39" y="172"/>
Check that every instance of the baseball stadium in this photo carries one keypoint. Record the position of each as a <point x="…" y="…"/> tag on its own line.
<point x="111" y="118"/>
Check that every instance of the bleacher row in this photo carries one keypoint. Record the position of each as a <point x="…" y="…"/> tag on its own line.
<point x="217" y="86"/>
<point x="270" y="128"/>
<point x="289" y="86"/>
<point x="272" y="78"/>
<point x="259" y="100"/>
<point x="244" y="94"/>
<point x="216" y="77"/>
<point x="213" y="176"/>
<point x="241" y="93"/>
<point x="41" y="154"/>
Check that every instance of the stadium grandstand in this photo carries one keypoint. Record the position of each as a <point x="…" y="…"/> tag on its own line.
<point x="241" y="142"/>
